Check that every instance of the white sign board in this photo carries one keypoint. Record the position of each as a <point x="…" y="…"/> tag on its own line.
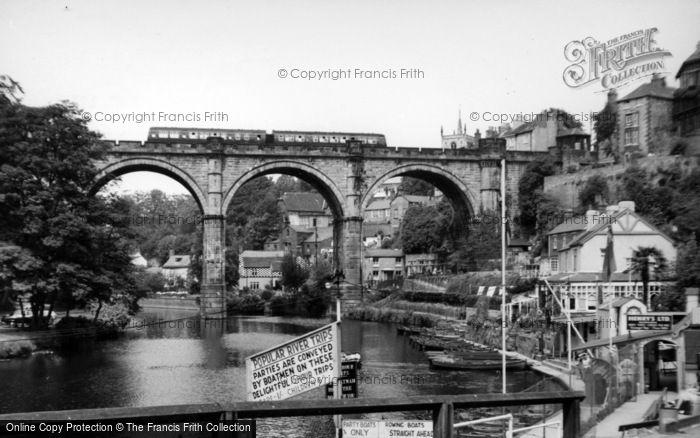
<point x="294" y="367"/>
<point x="387" y="428"/>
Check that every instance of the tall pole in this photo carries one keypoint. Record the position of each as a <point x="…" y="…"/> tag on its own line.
<point x="568" y="329"/>
<point x="337" y="386"/>
<point x="503" y="271"/>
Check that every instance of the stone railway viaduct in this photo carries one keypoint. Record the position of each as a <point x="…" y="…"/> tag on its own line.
<point x="346" y="174"/>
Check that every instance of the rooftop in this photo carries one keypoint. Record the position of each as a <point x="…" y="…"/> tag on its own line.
<point x="383" y="253"/>
<point x="177" y="261"/>
<point x="261" y="259"/>
<point x="592" y="277"/>
<point x="304" y="202"/>
<point x="577" y="223"/>
<point x="655" y="88"/>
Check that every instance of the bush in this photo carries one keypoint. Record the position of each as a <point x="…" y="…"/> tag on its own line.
<point x="248" y="304"/>
<point x="252" y="305"/>
<point x="12" y="349"/>
<point x="279" y="305"/>
<point x="149" y="281"/>
<point x="451" y="299"/>
<point x="267" y="294"/>
<point x="312" y="301"/>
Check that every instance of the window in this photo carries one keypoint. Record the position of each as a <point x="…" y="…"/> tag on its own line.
<point x="313" y="222"/>
<point x="554" y="242"/>
<point x="398" y="260"/>
<point x="254" y="285"/>
<point x="254" y="272"/>
<point x="554" y="263"/>
<point x="375" y="273"/>
<point x="375" y="260"/>
<point x="572" y="303"/>
<point x="632" y="129"/>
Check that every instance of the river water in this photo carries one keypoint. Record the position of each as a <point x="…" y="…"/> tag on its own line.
<point x="176" y="359"/>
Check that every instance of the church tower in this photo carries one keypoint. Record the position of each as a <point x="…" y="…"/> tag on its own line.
<point x="459" y="138"/>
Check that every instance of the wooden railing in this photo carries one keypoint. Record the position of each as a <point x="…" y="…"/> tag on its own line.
<point x="441" y="406"/>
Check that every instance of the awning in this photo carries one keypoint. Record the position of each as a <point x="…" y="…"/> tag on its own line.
<point x="623" y="339"/>
<point x="575" y="318"/>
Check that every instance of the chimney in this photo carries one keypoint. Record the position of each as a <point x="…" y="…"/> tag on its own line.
<point x="592" y="218"/>
<point x="626" y="205"/>
<point x="691" y="298"/>
<point x="172" y="253"/>
<point x="612" y="96"/>
<point x="477" y="137"/>
<point x="658" y="81"/>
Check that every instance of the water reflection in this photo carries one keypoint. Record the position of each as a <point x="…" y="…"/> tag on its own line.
<point x="173" y="357"/>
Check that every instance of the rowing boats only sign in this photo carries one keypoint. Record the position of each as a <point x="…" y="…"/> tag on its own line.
<point x="387" y="428"/>
<point x="294" y="367"/>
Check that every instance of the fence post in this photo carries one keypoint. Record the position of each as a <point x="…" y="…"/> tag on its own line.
<point x="442" y="421"/>
<point x="572" y="418"/>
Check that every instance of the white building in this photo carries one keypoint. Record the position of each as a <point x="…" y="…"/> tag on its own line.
<point x="175" y="269"/>
<point x="257" y="269"/>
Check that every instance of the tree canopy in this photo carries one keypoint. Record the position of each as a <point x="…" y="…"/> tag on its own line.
<point x="60" y="243"/>
<point x="530" y="194"/>
<point x="415" y="186"/>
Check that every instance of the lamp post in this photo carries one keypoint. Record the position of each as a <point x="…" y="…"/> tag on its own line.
<point x="338" y="277"/>
<point x="503" y="271"/>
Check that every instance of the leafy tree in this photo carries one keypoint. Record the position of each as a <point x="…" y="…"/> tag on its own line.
<point x="150" y="281"/>
<point x="293" y="275"/>
<point x="549" y="215"/>
<point x="530" y="189"/>
<point x="483" y="241"/>
<point x="246" y="200"/>
<point x="415" y="186"/>
<point x="423" y="229"/>
<point x="70" y="246"/>
<point x="594" y="191"/>
<point x="651" y="200"/>
<point x="687" y="275"/>
<point x="265" y="223"/>
<point x="604" y="124"/>
<point x="288" y="184"/>
<point x="563" y="118"/>
<point x="648" y="260"/>
<point x="686" y="205"/>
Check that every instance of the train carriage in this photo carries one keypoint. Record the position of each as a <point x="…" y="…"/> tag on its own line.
<point x="243" y="136"/>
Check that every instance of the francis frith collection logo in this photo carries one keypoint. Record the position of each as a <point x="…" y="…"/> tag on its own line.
<point x="614" y="62"/>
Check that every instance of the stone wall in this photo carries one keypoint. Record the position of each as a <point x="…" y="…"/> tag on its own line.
<point x="565" y="188"/>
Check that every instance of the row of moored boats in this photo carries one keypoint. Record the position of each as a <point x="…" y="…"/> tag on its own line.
<point x="451" y="351"/>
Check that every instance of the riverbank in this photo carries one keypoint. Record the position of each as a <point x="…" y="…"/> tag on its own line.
<point x="20" y="343"/>
<point x="169" y="303"/>
<point x="14" y="345"/>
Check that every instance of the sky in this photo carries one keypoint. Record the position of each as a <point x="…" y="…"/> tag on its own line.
<point x="224" y="59"/>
